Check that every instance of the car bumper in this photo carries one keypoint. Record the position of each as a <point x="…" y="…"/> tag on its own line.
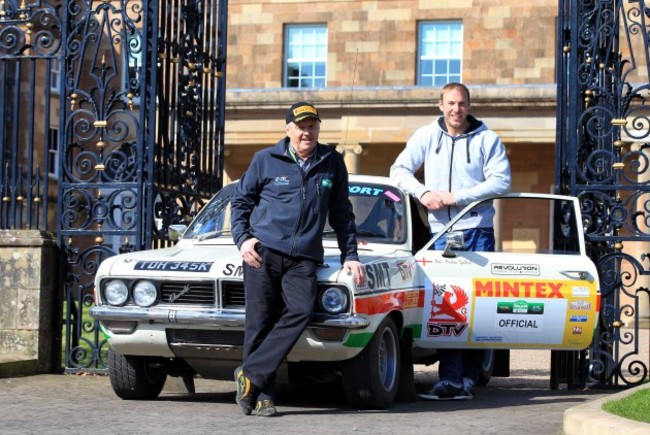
<point x="212" y="318"/>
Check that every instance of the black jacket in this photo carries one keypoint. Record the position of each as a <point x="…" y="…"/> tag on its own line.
<point x="287" y="210"/>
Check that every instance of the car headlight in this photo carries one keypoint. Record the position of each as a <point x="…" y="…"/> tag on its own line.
<point x="334" y="300"/>
<point x="145" y="293"/>
<point x="116" y="292"/>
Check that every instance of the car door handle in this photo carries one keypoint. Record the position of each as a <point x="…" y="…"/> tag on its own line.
<point x="575" y="274"/>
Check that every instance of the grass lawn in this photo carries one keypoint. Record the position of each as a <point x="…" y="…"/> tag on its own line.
<point x="634" y="407"/>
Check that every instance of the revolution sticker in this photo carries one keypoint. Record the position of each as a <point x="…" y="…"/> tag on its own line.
<point x="515" y="269"/>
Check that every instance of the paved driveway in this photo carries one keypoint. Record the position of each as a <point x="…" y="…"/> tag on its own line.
<point x="73" y="404"/>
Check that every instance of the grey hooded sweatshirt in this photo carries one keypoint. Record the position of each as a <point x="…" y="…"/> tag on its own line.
<point x="472" y="166"/>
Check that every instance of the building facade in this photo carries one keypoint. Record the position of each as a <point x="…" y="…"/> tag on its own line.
<point x="375" y="70"/>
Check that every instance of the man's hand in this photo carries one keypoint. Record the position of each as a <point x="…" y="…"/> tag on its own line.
<point x="356" y="268"/>
<point x="437" y="200"/>
<point x="447" y="198"/>
<point x="249" y="254"/>
<point x="432" y="201"/>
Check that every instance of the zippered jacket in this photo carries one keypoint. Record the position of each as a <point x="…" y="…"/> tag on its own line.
<point x="287" y="210"/>
<point x="472" y="166"/>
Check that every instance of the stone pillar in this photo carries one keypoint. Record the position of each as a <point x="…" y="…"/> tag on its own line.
<point x="227" y="151"/>
<point x="351" y="153"/>
<point x="29" y="303"/>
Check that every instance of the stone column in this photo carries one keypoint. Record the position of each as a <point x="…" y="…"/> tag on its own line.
<point x="29" y="303"/>
<point x="351" y="153"/>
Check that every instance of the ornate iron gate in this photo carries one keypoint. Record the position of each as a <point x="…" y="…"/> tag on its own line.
<point x="603" y="132"/>
<point x="142" y="118"/>
<point x="30" y="49"/>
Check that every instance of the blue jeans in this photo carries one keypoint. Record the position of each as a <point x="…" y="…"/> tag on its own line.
<point x="456" y="364"/>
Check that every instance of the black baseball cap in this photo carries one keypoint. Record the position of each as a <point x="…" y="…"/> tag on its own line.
<point x="300" y="111"/>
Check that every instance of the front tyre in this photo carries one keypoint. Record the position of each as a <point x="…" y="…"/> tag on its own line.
<point x="371" y="379"/>
<point x="133" y="377"/>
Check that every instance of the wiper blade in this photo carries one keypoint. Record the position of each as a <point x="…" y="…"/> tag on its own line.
<point x="359" y="233"/>
<point x="370" y="234"/>
<point x="213" y="234"/>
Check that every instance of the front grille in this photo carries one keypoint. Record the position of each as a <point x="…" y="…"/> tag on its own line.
<point x="200" y="292"/>
<point x="232" y="294"/>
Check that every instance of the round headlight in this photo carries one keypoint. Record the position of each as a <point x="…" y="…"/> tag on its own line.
<point x="144" y="293"/>
<point x="334" y="300"/>
<point x="116" y="292"/>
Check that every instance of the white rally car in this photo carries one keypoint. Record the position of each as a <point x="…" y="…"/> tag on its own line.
<point x="179" y="311"/>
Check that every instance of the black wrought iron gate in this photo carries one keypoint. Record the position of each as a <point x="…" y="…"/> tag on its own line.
<point x="142" y="119"/>
<point x="603" y="157"/>
<point x="114" y="111"/>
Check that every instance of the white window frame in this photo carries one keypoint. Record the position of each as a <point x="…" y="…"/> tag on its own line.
<point x="305" y="52"/>
<point x="53" y="151"/>
<point x="440" y="52"/>
<point x="55" y="75"/>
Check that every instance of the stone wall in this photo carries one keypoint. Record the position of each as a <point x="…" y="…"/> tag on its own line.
<point x="29" y="304"/>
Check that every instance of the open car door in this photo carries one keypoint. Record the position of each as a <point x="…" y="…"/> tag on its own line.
<point x="539" y="290"/>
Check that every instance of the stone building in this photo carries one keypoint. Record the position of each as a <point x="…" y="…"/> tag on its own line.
<point x="375" y="69"/>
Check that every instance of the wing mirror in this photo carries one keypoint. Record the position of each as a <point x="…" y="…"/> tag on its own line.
<point x="453" y="241"/>
<point x="176" y="231"/>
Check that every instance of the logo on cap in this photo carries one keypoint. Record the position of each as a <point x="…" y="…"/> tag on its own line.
<point x="300" y="111"/>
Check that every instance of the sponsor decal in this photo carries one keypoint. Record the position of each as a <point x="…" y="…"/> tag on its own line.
<point x="580" y="292"/>
<point x="518" y="323"/>
<point x="392" y="196"/>
<point x="576" y="330"/>
<point x="385" y="302"/>
<point x="412" y="299"/>
<point x="448" y="315"/>
<point x="577" y="318"/>
<point x="498" y="288"/>
<point x="445" y="329"/>
<point x="281" y="180"/>
<point x="515" y="269"/>
<point x="489" y="338"/>
<point x="405" y="270"/>
<point x="449" y="305"/>
<point x="580" y="305"/>
<point x="233" y="270"/>
<point x="183" y="266"/>
<point x="365" y="190"/>
<point x="520" y="307"/>
<point x="378" y="275"/>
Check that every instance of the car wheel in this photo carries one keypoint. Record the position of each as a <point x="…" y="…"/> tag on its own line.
<point x="133" y="377"/>
<point x="371" y="379"/>
<point x="487" y="366"/>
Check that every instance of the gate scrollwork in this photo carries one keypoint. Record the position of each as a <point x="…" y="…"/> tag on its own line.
<point x="603" y="129"/>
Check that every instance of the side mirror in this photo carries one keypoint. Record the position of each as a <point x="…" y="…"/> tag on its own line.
<point x="453" y="240"/>
<point x="176" y="231"/>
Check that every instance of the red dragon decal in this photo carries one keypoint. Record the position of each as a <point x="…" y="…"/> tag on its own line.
<point x="447" y="305"/>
